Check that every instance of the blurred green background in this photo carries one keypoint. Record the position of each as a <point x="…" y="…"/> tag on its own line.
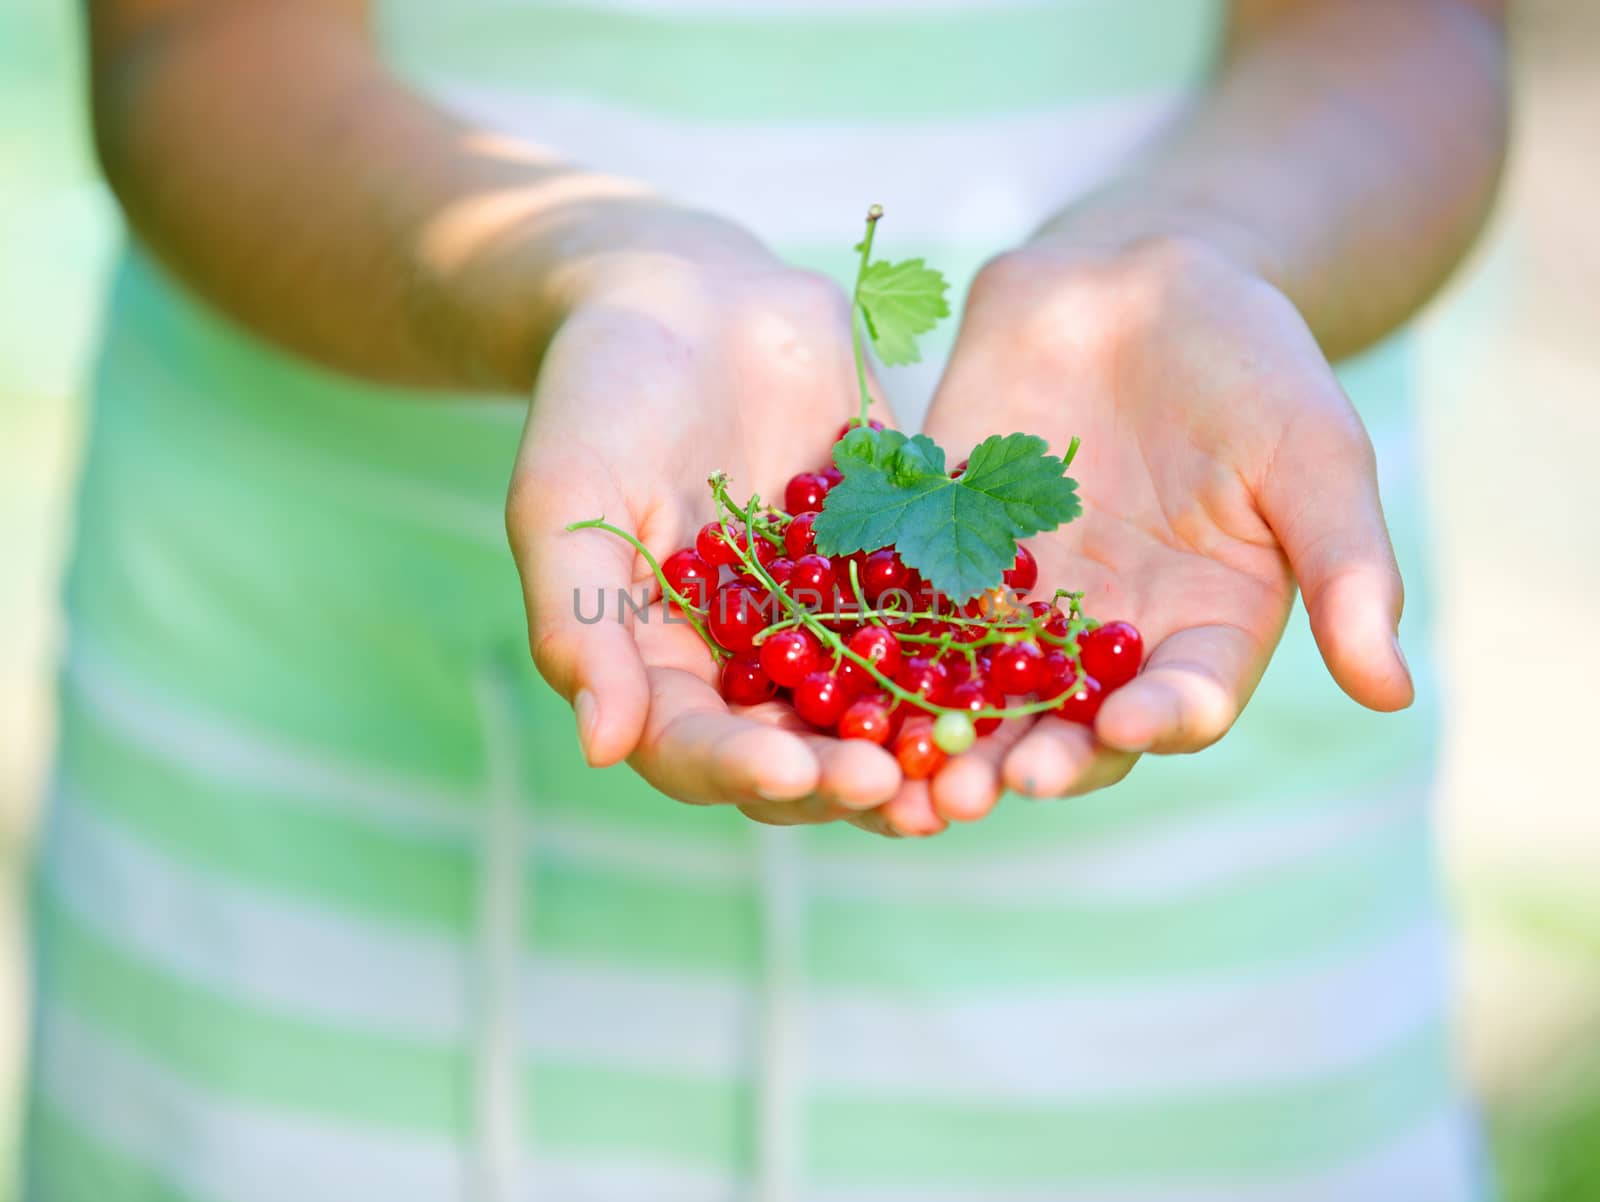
<point x="1512" y="398"/>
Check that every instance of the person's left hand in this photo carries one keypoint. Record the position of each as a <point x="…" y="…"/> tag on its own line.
<point x="1220" y="463"/>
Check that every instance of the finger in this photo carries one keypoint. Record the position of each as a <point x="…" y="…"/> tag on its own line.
<point x="1057" y="758"/>
<point x="969" y="785"/>
<point x="874" y="822"/>
<point x="855" y="775"/>
<point x="1187" y="696"/>
<point x="808" y="811"/>
<point x="697" y="751"/>
<point x="910" y="813"/>
<point x="855" y="778"/>
<point x="859" y="781"/>
<point x="1321" y="500"/>
<point x="579" y="632"/>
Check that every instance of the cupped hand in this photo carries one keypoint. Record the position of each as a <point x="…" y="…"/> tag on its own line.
<point x="674" y="364"/>
<point x="1220" y="464"/>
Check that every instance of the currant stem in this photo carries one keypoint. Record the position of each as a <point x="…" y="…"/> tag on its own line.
<point x="667" y="590"/>
<point x="858" y="315"/>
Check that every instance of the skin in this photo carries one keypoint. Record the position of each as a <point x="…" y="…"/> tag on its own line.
<point x="1179" y="321"/>
<point x="676" y="354"/>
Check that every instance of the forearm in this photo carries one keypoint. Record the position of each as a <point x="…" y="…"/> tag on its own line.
<point x="267" y="158"/>
<point x="1348" y="155"/>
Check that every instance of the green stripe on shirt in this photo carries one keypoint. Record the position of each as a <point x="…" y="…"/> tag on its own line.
<point x="67" y="1162"/>
<point x="805" y="67"/>
<point x="253" y="1057"/>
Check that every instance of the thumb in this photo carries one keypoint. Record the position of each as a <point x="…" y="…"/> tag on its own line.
<point x="1321" y="499"/>
<point x="580" y="629"/>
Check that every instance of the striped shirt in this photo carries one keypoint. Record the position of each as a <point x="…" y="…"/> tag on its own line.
<point x="330" y="908"/>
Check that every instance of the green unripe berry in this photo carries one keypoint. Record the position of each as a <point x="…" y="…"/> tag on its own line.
<point x="954" y="733"/>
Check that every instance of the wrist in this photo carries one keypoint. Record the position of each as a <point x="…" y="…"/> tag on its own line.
<point x="1098" y="291"/>
<point x="510" y="304"/>
<point x="610" y="248"/>
<point x="1170" y="231"/>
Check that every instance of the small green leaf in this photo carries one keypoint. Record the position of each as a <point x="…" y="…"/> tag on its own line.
<point x="901" y="301"/>
<point x="961" y="535"/>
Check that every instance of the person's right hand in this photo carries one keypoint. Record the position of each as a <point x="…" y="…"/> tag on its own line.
<point x="1222" y="465"/>
<point x="708" y="355"/>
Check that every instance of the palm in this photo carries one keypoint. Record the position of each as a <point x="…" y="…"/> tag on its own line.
<point x="1170" y="539"/>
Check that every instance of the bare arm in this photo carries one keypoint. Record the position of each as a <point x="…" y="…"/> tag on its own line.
<point x="1348" y="156"/>
<point x="266" y="156"/>
<point x="1180" y="321"/>
<point x="263" y="153"/>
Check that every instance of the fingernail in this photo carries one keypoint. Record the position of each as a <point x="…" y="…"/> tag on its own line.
<point x="1400" y="654"/>
<point x="588" y="715"/>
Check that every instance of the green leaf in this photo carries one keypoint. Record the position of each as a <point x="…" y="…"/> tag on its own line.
<point x="901" y="301"/>
<point x="961" y="534"/>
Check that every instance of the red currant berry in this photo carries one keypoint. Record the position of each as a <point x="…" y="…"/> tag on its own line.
<point x="968" y="633"/>
<point x="713" y="545"/>
<point x="820" y="699"/>
<point x="833" y="476"/>
<point x="745" y="683"/>
<point x="842" y="624"/>
<point x="841" y="570"/>
<point x="779" y="569"/>
<point x="1042" y="611"/>
<point x="1111" y="654"/>
<point x="959" y="667"/>
<point x="1024" y="573"/>
<point x="853" y="424"/>
<point x="959" y="470"/>
<point x="764" y="549"/>
<point x="797" y="538"/>
<point x="883" y="572"/>
<point x="925" y="677"/>
<point x="737" y="614"/>
<point x="1081" y="700"/>
<point x="878" y="644"/>
<point x="974" y="695"/>
<point x="929" y="627"/>
<point x="1018" y="668"/>
<point x="690" y="575"/>
<point x="812" y="580"/>
<point x="920" y="757"/>
<point x="805" y="493"/>
<point x="866" y="718"/>
<point x="856" y="679"/>
<point x="789" y="656"/>
<point x="1057" y="672"/>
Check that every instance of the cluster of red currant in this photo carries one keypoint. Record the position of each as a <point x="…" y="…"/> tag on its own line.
<point x="861" y="646"/>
